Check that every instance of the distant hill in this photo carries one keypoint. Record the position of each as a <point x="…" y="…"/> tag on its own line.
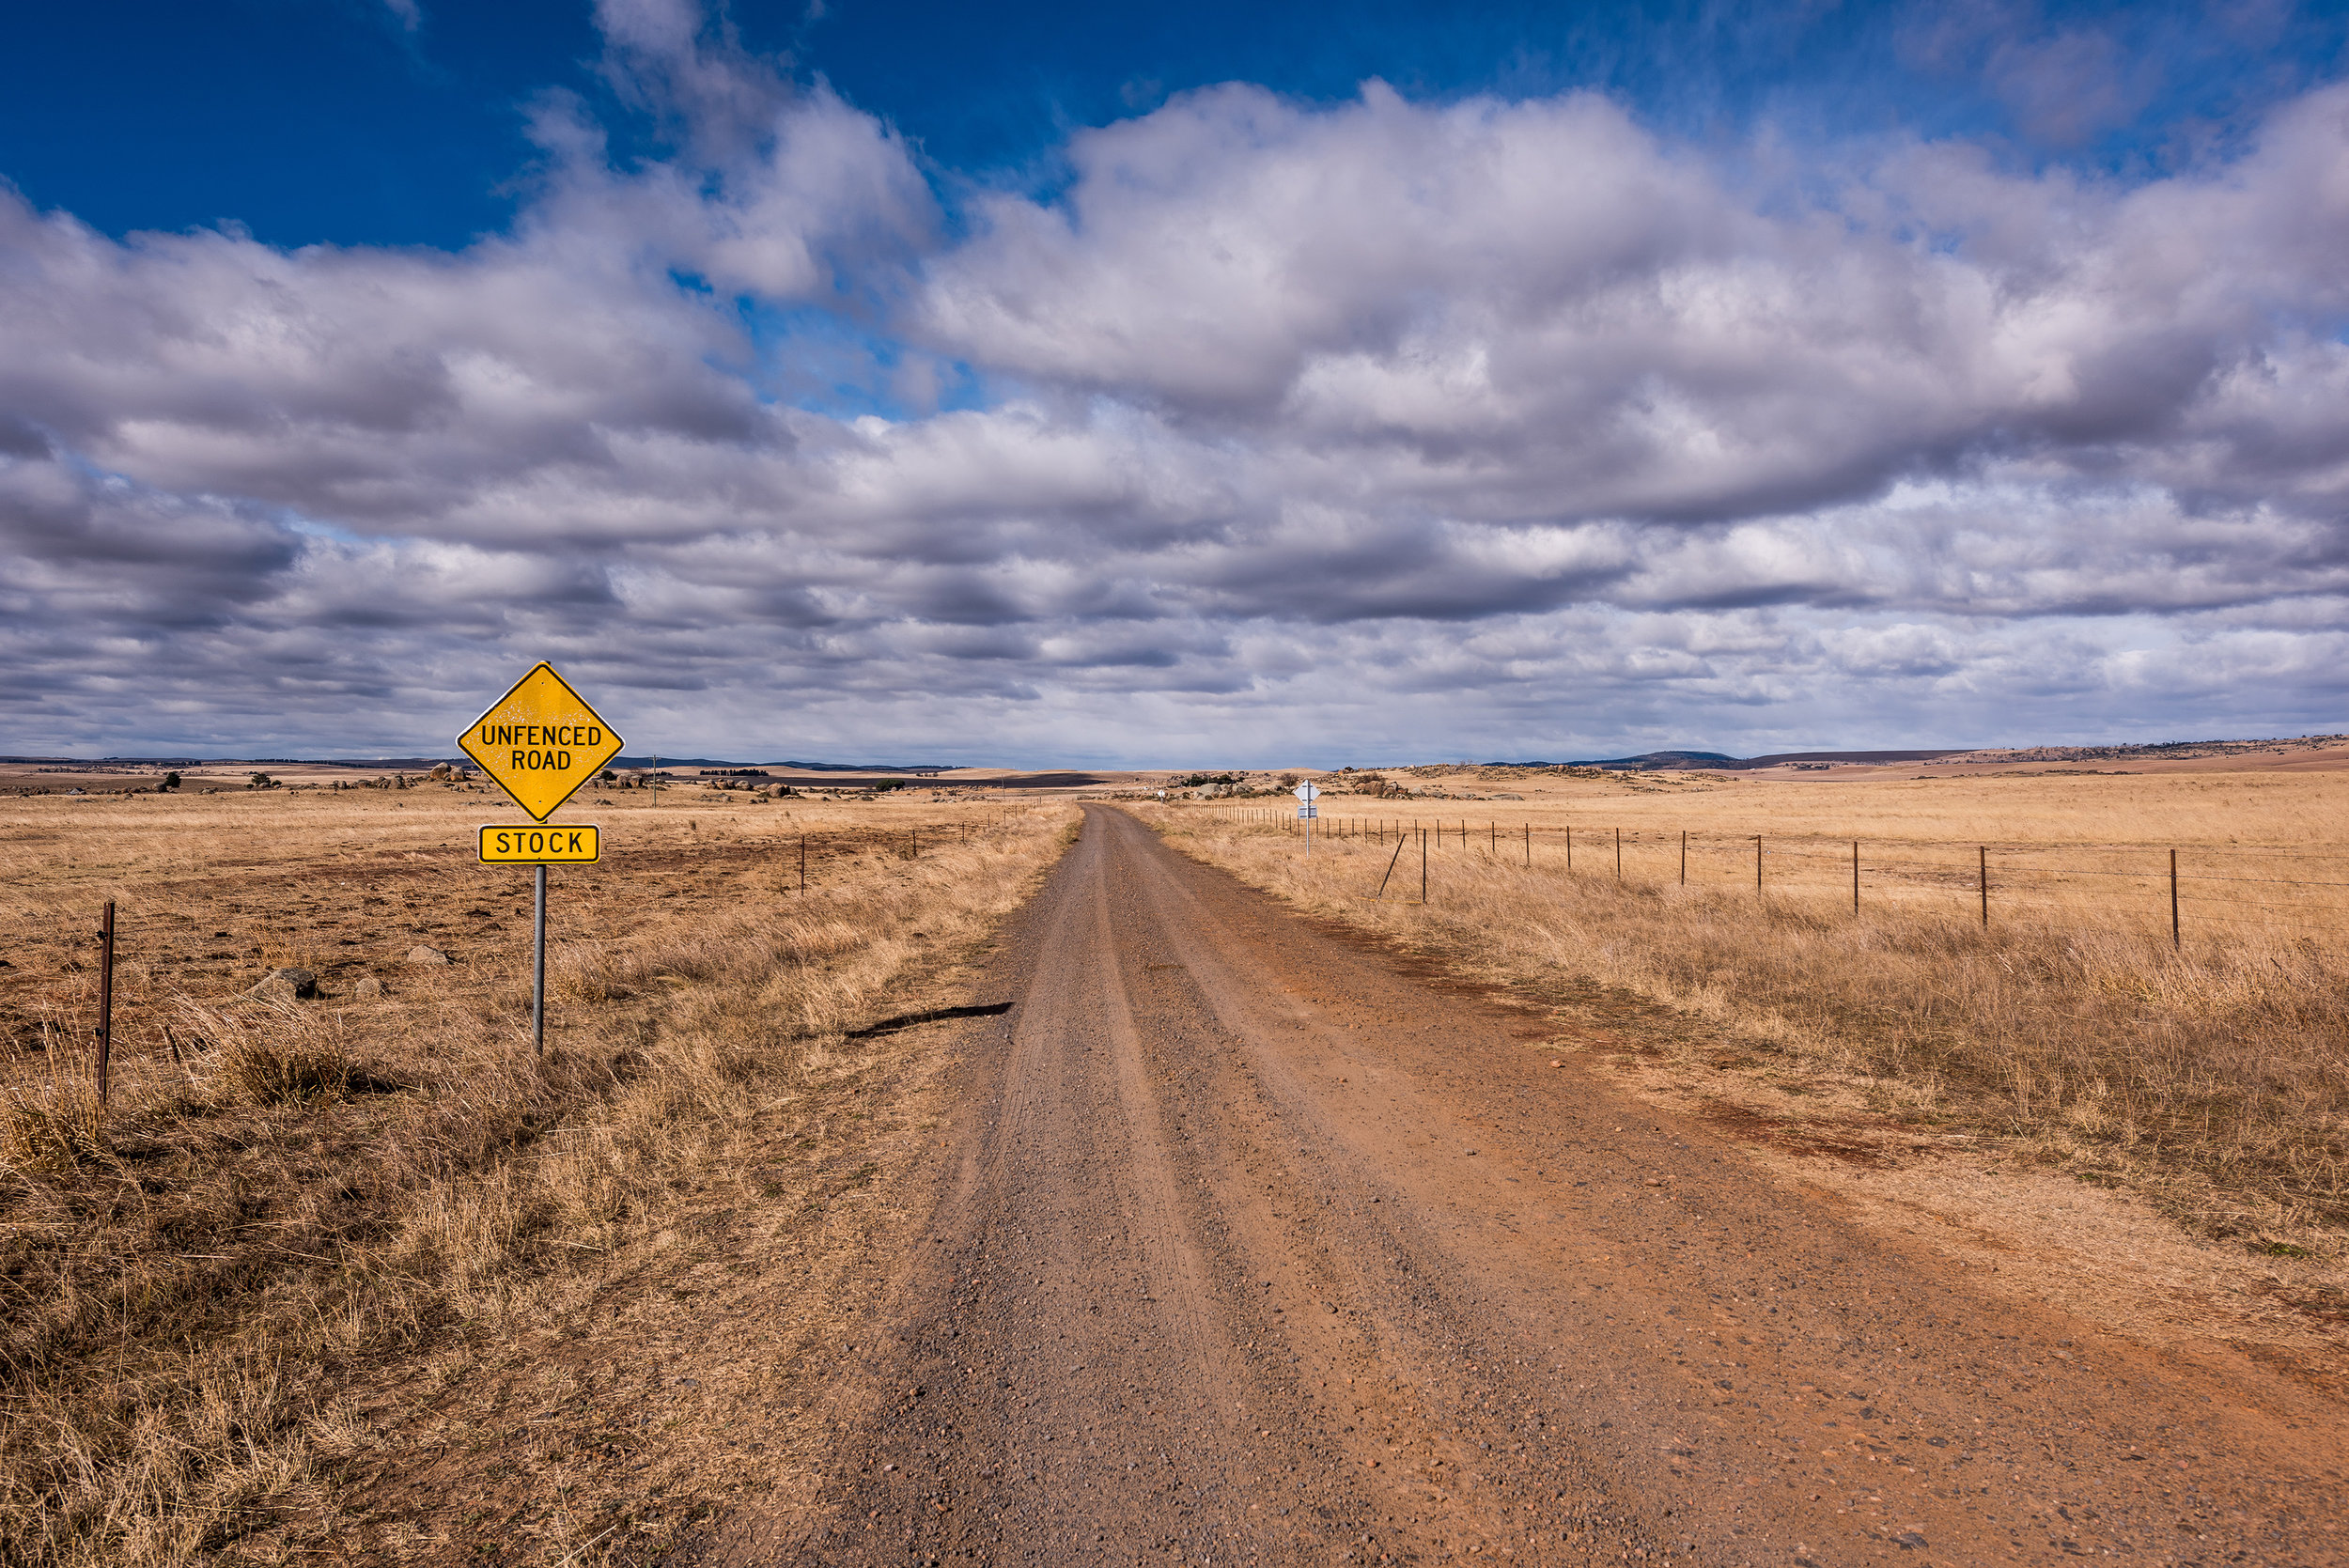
<point x="1657" y="762"/>
<point x="393" y="765"/>
<point x="803" y="767"/>
<point x="1649" y="762"/>
<point x="626" y="760"/>
<point x="422" y="765"/>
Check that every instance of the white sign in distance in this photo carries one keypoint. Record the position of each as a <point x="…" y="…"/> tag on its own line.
<point x="1307" y="792"/>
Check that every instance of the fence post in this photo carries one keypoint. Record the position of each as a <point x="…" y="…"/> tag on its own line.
<point x="1983" y="874"/>
<point x="1684" y="857"/>
<point x="1529" y="845"/>
<point x="1569" y="851"/>
<point x="1855" y="876"/>
<point x="2174" y="901"/>
<point x="802" y="865"/>
<point x="1757" y="865"/>
<point x="1390" y="860"/>
<point x="1423" y="870"/>
<point x="1619" y="854"/>
<point x="105" y="1002"/>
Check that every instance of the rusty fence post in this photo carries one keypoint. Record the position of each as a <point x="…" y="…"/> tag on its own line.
<point x="2174" y="900"/>
<point x="1757" y="865"/>
<point x="105" y="1002"/>
<point x="1983" y="875"/>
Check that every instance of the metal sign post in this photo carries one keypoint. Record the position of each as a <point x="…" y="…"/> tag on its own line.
<point x="540" y="743"/>
<point x="1306" y="811"/>
<point x="538" y="964"/>
<point x="106" y="999"/>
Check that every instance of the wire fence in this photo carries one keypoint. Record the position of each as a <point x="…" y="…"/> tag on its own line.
<point x="2174" y="891"/>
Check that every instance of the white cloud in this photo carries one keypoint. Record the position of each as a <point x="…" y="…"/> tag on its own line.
<point x="1477" y="427"/>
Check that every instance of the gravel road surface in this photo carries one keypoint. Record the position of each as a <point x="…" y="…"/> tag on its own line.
<point x="1253" y="1245"/>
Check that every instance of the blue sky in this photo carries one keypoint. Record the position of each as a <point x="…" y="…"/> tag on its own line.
<point x="354" y="122"/>
<point x="1214" y="383"/>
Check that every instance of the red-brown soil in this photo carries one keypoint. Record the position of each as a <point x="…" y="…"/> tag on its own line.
<point x="1249" y="1244"/>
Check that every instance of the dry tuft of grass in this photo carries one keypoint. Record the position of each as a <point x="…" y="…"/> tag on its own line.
<point x="2213" y="1077"/>
<point x="274" y="1052"/>
<point x="52" y="1121"/>
<point x="291" y="1201"/>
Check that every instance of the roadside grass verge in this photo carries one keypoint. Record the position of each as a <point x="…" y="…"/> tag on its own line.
<point x="286" y="1197"/>
<point x="2214" y="1080"/>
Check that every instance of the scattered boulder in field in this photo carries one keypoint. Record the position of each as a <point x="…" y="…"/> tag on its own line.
<point x="368" y="989"/>
<point x="287" y="986"/>
<point x="427" y="956"/>
<point x="1508" y="796"/>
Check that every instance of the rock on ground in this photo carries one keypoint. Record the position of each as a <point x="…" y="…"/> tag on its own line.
<point x="287" y="985"/>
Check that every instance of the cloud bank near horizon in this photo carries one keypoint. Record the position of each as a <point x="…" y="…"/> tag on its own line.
<point x="1273" y="431"/>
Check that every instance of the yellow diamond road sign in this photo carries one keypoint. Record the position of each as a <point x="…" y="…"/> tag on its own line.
<point x="540" y="741"/>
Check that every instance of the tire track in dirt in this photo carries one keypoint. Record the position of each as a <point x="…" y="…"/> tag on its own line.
<point x="1257" y="1247"/>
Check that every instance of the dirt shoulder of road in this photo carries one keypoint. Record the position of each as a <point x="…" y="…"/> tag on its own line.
<point x="2022" y="1229"/>
<point x="2275" y="1292"/>
<point x="687" y="1369"/>
<point x="702" y="1362"/>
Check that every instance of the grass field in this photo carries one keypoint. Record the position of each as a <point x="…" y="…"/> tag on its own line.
<point x="291" y="1201"/>
<point x="360" y="1269"/>
<point x="2213" y="1075"/>
<point x="2268" y="851"/>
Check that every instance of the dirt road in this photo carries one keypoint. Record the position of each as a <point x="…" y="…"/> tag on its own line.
<point x="1253" y="1245"/>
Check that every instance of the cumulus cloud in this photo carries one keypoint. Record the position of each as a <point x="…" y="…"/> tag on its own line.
<point x="1488" y="426"/>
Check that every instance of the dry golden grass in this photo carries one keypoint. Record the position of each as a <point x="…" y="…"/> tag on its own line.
<point x="290" y="1201"/>
<point x="2268" y="851"/>
<point x="2213" y="1077"/>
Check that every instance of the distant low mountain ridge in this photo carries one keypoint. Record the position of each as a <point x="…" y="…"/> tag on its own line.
<point x="917" y="768"/>
<point x="1658" y="762"/>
